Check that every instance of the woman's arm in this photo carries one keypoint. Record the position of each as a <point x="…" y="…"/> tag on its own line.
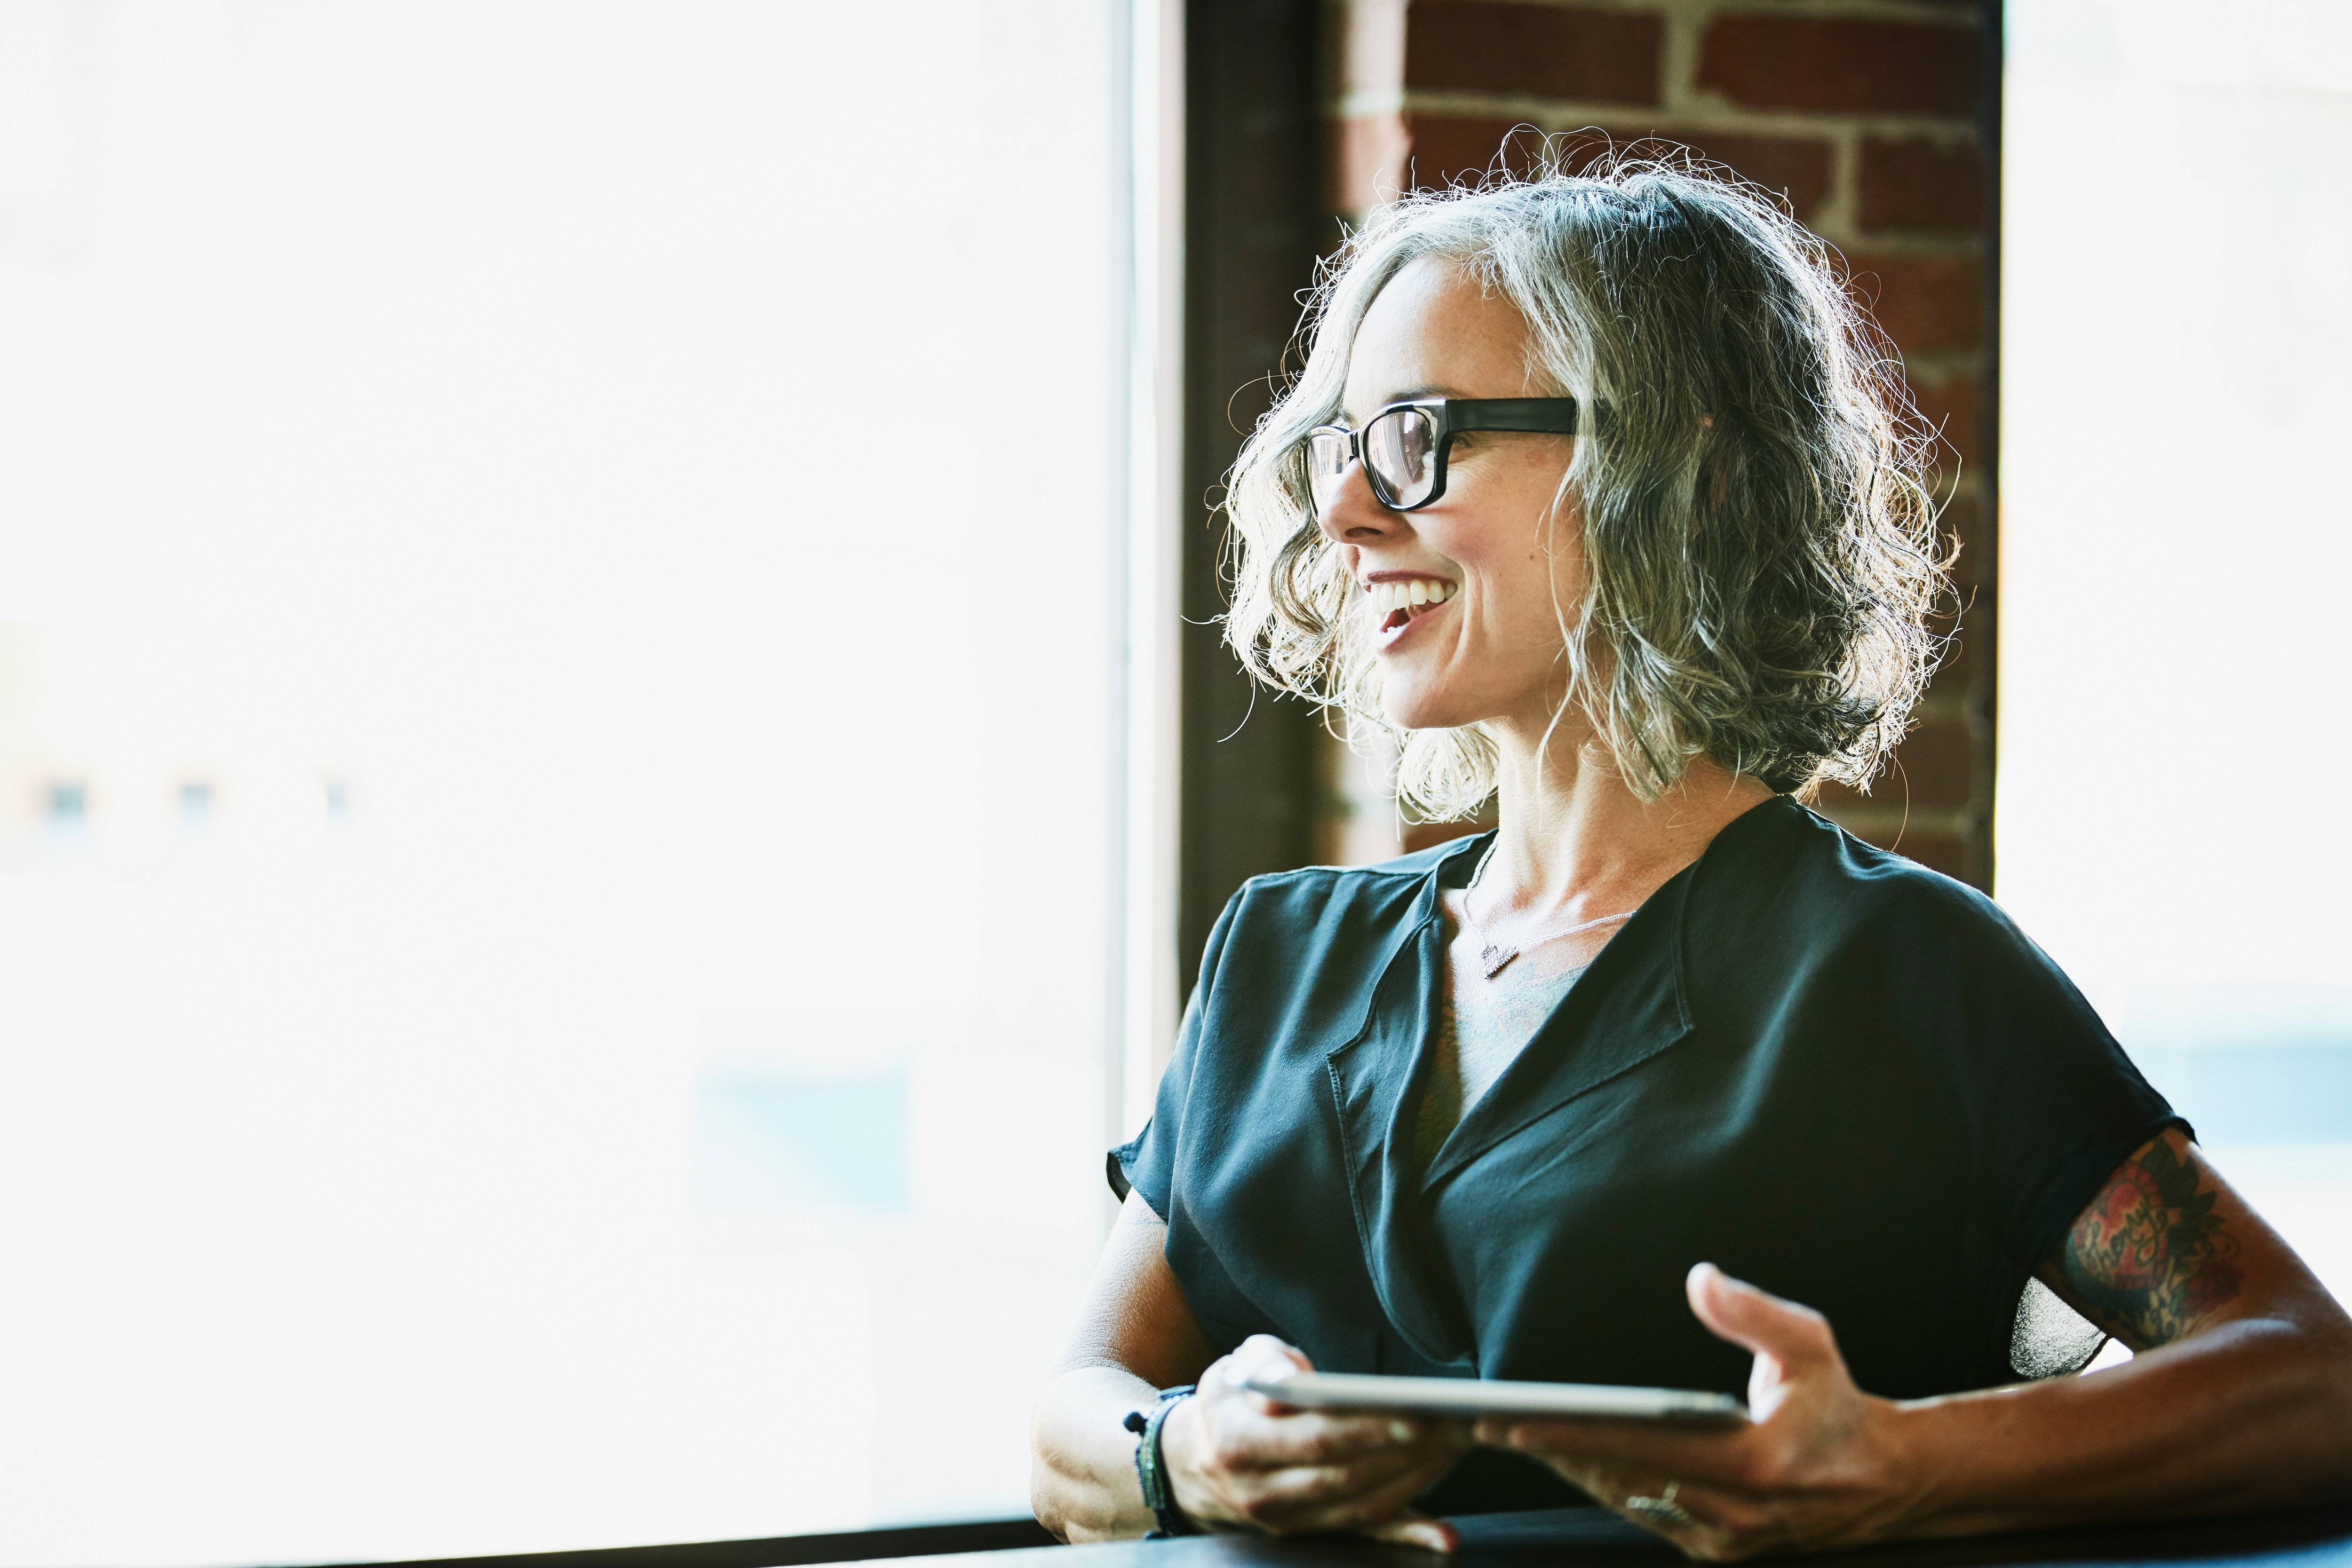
<point x="2239" y="1395"/>
<point x="1234" y="1460"/>
<point x="2241" y="1398"/>
<point x="1135" y="1335"/>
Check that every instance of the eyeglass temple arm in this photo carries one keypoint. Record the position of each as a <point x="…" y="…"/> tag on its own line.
<point x="1543" y="415"/>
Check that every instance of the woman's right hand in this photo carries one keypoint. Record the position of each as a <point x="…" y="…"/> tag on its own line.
<point x="1237" y="1459"/>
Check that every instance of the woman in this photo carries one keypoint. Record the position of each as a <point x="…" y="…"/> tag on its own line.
<point x="1596" y="492"/>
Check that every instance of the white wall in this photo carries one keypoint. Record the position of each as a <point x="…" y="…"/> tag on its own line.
<point x="660" y="463"/>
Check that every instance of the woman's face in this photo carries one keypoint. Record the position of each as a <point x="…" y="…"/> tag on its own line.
<point x="1487" y="644"/>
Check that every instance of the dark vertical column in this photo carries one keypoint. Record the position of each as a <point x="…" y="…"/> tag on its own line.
<point x="1983" y="616"/>
<point x="1252" y="224"/>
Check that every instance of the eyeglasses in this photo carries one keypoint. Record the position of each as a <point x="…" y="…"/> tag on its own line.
<point x="1403" y="446"/>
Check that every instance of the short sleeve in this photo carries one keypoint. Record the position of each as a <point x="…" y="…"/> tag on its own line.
<point x="1146" y="1164"/>
<point x="2052" y="1104"/>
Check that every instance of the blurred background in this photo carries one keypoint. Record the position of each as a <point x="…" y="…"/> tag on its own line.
<point x="559" y="764"/>
<point x="2176" y="380"/>
<point x="611" y="754"/>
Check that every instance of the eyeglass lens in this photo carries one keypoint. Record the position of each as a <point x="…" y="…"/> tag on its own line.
<point x="1327" y="465"/>
<point x="1400" y="448"/>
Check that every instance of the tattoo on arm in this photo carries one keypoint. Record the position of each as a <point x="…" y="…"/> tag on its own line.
<point x="2149" y="1256"/>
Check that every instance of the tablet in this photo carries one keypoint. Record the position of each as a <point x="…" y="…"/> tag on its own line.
<point x="1482" y="1396"/>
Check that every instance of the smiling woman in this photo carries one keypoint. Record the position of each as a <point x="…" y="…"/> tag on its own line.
<point x="1596" y="490"/>
<point x="1628" y="303"/>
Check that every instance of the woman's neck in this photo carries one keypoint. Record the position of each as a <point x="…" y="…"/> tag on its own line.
<point x="1576" y="844"/>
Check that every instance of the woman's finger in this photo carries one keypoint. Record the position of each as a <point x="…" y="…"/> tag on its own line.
<point x="1263" y="1356"/>
<point x="1308" y="1437"/>
<point x="1354" y="1504"/>
<point x="1758" y="1321"/>
<point x="1413" y="1530"/>
<point x="1705" y="1521"/>
<point x="1639" y="1447"/>
<point x="1340" y="1485"/>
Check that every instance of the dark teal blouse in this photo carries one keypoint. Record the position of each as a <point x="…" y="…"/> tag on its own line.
<point x="1818" y="1065"/>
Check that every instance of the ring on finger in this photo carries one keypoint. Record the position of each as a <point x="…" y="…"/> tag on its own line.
<point x="1661" y="1508"/>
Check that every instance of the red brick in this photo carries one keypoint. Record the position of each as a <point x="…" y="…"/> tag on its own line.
<point x="1840" y="63"/>
<point x="1933" y="767"/>
<point x="1446" y="147"/>
<point x="1956" y="406"/>
<point x="1369" y="161"/>
<point x="1540" y="51"/>
<point x="1933" y="770"/>
<point x="1923" y="187"/>
<point x="1928" y="304"/>
<point x="1450" y="147"/>
<point x="1797" y="167"/>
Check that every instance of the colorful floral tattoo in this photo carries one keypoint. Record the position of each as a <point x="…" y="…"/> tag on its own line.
<point x="2149" y="1256"/>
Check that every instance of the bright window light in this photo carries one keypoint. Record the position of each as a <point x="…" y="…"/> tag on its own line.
<point x="559" y="779"/>
<point x="2177" y="378"/>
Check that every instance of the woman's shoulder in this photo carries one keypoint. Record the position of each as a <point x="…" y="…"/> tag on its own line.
<point x="1798" y="904"/>
<point x="1317" y="892"/>
<point x="1326" y="917"/>
<point x="1796" y="870"/>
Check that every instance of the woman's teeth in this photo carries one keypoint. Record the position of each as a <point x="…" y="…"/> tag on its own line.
<point x="1408" y="594"/>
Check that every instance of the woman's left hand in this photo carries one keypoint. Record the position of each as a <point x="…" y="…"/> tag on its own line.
<point x="1819" y="1466"/>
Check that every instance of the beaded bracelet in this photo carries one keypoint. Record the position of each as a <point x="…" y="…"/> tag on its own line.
<point x="1150" y="1467"/>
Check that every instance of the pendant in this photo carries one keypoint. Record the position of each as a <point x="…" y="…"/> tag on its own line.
<point x="1494" y="956"/>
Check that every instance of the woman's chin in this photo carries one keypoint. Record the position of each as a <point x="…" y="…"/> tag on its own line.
<point x="1413" y="710"/>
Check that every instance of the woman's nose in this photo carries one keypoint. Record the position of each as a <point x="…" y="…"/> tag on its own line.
<point x="1354" y="514"/>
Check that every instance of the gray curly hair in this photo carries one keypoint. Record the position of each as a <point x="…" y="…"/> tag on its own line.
<point x="1761" y="559"/>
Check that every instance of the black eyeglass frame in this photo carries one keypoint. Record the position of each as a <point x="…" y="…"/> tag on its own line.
<point x="1451" y="416"/>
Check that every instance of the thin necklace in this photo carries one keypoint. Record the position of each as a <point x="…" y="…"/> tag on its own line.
<point x="1492" y="954"/>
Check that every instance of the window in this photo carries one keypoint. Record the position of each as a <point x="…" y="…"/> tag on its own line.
<point x="642" y="1028"/>
<point x="2178" y="235"/>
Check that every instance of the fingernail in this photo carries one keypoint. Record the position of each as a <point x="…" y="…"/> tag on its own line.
<point x="1401" y="1431"/>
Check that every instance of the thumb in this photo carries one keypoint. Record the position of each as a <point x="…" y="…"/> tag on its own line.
<point x="1780" y="1332"/>
<point x="1264" y="1359"/>
<point x="1262" y="1355"/>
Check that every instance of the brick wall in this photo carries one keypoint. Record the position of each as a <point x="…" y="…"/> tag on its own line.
<point x="1876" y="120"/>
